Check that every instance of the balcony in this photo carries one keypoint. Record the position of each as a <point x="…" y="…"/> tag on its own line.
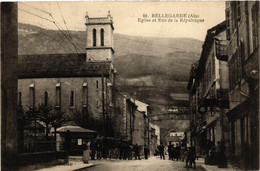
<point x="221" y="49"/>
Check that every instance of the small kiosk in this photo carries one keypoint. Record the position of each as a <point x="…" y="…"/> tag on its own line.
<point x="70" y="138"/>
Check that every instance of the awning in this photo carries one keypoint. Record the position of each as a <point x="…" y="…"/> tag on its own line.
<point x="74" y="129"/>
<point x="239" y="111"/>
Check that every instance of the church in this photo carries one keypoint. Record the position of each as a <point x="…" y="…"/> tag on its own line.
<point x="74" y="82"/>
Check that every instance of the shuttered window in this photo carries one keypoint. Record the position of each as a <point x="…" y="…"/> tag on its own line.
<point x="228" y="20"/>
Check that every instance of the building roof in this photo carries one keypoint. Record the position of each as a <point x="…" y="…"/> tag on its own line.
<point x="60" y="65"/>
<point x="208" y="43"/>
<point x="141" y="106"/>
<point x="74" y="129"/>
<point x="100" y="20"/>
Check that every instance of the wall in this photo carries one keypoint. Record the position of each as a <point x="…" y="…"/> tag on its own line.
<point x="157" y="132"/>
<point x="99" y="54"/>
<point x="120" y="116"/>
<point x="139" y="128"/>
<point x="66" y="86"/>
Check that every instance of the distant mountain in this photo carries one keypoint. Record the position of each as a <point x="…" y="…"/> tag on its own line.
<point x="152" y="69"/>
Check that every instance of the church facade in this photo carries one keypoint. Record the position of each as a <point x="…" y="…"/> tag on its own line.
<point x="73" y="82"/>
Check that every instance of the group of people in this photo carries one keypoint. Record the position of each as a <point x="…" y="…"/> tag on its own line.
<point x="178" y="153"/>
<point x="95" y="150"/>
<point x="136" y="150"/>
<point x="174" y="152"/>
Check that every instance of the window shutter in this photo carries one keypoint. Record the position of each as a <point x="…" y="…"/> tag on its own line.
<point x="228" y="23"/>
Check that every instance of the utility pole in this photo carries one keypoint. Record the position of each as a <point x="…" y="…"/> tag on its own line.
<point x="8" y="74"/>
<point x="148" y="117"/>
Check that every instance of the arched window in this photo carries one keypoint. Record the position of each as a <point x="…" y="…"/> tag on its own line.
<point x="94" y="37"/>
<point x="85" y="94"/>
<point x="71" y="98"/>
<point x="45" y="98"/>
<point x="102" y="37"/>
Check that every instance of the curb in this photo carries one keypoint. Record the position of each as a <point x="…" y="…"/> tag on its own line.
<point x="89" y="166"/>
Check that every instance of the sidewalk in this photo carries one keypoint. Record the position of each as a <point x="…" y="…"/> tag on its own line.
<point x="213" y="167"/>
<point x="75" y="163"/>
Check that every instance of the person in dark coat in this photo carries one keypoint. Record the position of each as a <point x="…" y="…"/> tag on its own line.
<point x="99" y="150"/>
<point x="173" y="152"/>
<point x="212" y="155"/>
<point x="146" y="151"/>
<point x="161" y="150"/>
<point x="170" y="151"/>
<point x="222" y="159"/>
<point x="130" y="152"/>
<point x="178" y="151"/>
<point x="192" y="157"/>
<point x="136" y="151"/>
<point x="187" y="157"/>
<point x="93" y="150"/>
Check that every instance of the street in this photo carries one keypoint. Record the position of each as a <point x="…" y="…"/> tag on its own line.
<point x="152" y="164"/>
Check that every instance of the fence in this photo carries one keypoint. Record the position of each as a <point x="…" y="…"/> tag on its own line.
<point x="39" y="146"/>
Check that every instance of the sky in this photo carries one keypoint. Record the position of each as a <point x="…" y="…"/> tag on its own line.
<point x="125" y="16"/>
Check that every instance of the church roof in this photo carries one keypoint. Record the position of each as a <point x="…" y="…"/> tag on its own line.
<point x="60" y="65"/>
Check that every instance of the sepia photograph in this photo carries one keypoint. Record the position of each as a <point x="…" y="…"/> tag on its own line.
<point x="129" y="85"/>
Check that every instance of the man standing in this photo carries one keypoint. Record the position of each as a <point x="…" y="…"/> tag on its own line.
<point x="170" y="151"/>
<point x="178" y="149"/>
<point x="136" y="151"/>
<point x="161" y="150"/>
<point x="93" y="150"/>
<point x="145" y="152"/>
<point x="99" y="149"/>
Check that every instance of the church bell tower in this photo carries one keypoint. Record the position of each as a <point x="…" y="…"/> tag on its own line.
<point x="100" y="43"/>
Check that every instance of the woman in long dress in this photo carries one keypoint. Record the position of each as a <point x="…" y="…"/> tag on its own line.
<point x="86" y="152"/>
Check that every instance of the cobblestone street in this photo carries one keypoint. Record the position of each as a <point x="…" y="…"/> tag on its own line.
<point x="152" y="164"/>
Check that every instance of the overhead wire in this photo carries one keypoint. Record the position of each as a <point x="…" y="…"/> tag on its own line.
<point x="68" y="37"/>
<point x="59" y="28"/>
<point x="67" y="26"/>
<point x="35" y="8"/>
<point x="55" y="23"/>
<point x="80" y="22"/>
<point x="36" y="15"/>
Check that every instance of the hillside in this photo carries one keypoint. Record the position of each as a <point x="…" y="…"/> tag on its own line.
<point x="152" y="69"/>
